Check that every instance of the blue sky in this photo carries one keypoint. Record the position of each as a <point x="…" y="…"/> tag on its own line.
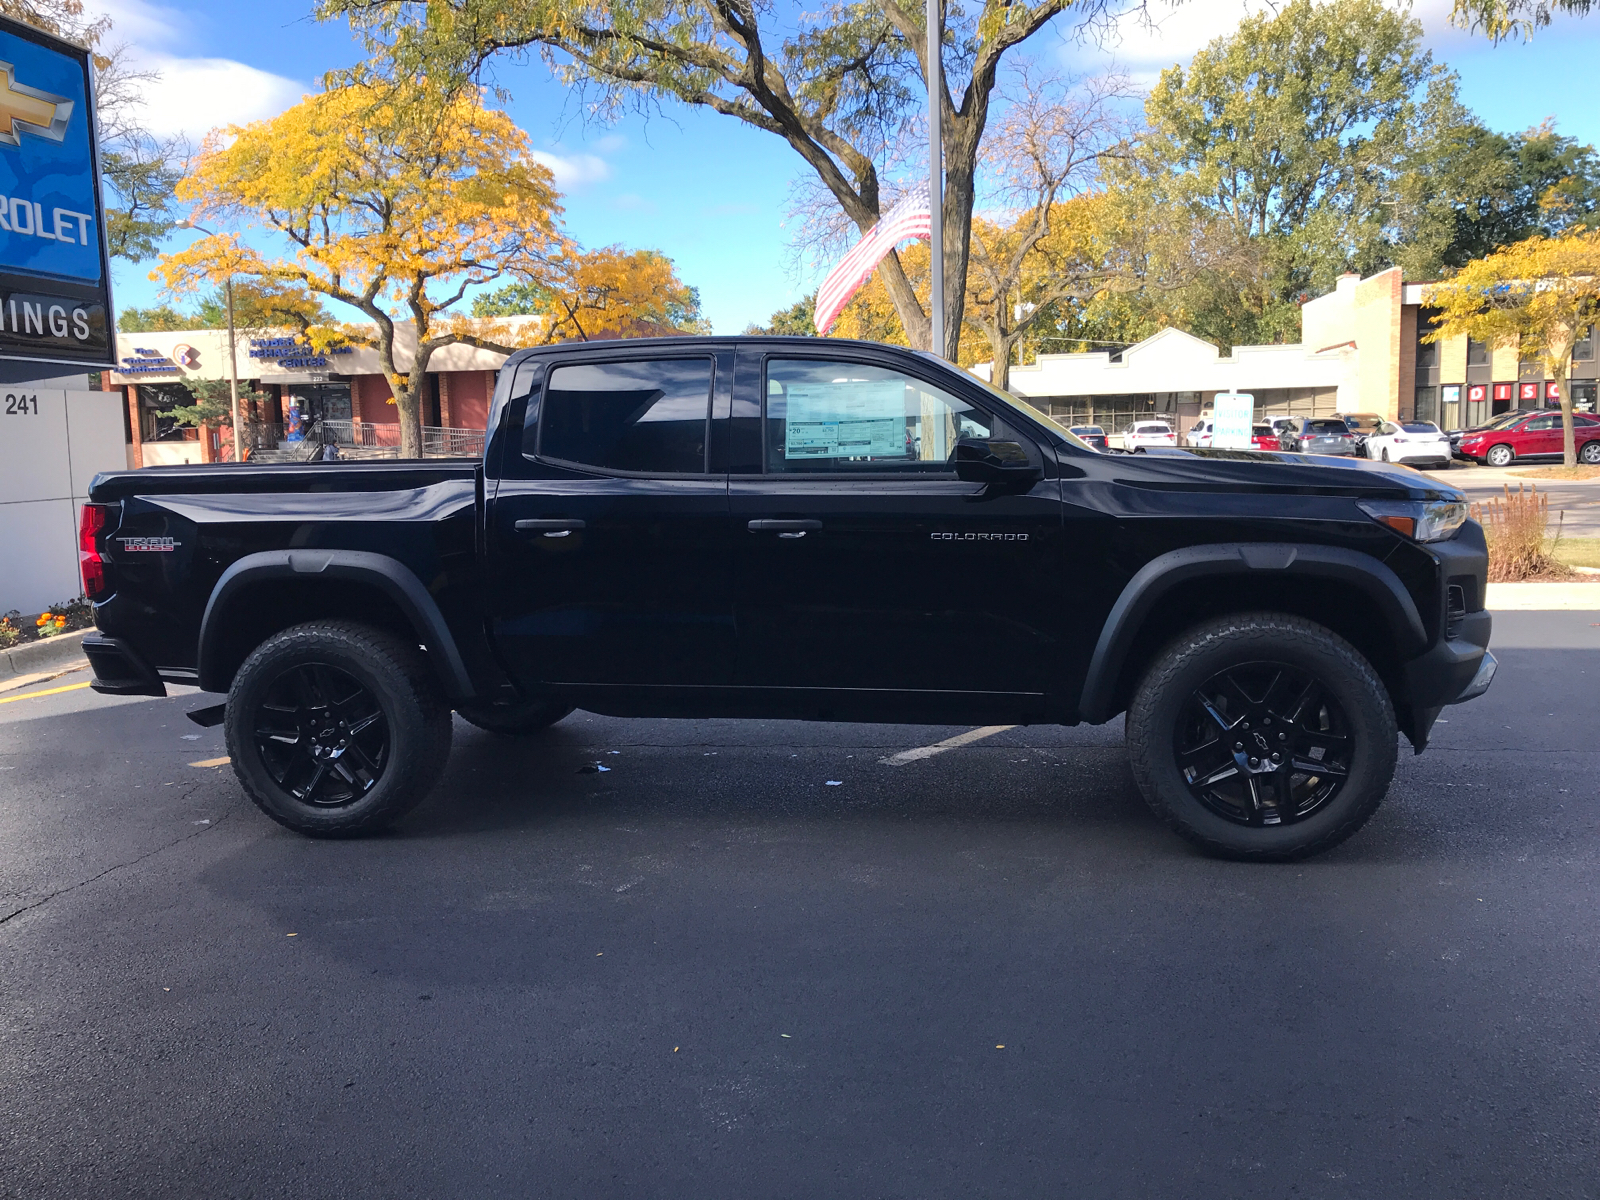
<point x="708" y="191"/>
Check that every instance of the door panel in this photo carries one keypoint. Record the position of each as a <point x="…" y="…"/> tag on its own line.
<point x="608" y="573"/>
<point x="853" y="575"/>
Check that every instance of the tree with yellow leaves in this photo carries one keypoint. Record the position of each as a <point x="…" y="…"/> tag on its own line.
<point x="604" y="293"/>
<point x="394" y="201"/>
<point x="1539" y="294"/>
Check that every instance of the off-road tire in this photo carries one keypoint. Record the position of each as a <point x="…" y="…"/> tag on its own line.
<point x="394" y="674"/>
<point x="1198" y="655"/>
<point x="515" y="720"/>
<point x="1500" y="455"/>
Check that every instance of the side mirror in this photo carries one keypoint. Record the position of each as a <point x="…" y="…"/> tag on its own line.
<point x="982" y="461"/>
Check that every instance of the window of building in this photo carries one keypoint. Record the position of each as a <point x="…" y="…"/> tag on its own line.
<point x="1426" y="407"/>
<point x="646" y="417"/>
<point x="1477" y="353"/>
<point x="1583" y="348"/>
<point x="843" y="416"/>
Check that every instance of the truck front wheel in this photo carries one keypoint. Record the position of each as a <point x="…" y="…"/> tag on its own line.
<point x="1262" y="736"/>
<point x="336" y="729"/>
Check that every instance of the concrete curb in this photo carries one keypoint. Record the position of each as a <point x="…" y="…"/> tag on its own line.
<point x="52" y="652"/>
<point x="1543" y="597"/>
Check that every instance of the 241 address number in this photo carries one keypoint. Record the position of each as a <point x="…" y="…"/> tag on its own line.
<point x="21" y="406"/>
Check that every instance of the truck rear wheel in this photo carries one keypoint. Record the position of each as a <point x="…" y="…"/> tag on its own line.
<point x="336" y="729"/>
<point x="1262" y="736"/>
<point x="515" y="720"/>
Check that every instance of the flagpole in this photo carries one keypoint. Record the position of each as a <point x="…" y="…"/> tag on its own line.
<point x="935" y="178"/>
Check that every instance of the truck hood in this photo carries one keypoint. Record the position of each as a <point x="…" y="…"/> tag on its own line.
<point x="1211" y="470"/>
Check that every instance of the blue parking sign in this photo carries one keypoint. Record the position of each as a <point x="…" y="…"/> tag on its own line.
<point x="55" y="301"/>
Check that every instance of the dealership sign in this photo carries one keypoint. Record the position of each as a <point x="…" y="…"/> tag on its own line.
<point x="55" y="298"/>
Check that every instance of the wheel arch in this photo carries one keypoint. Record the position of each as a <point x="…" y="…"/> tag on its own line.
<point x="1355" y="596"/>
<point x="263" y="593"/>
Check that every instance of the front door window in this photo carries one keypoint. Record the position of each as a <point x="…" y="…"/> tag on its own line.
<point x="841" y="417"/>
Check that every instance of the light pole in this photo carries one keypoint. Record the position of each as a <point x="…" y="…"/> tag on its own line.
<point x="233" y="353"/>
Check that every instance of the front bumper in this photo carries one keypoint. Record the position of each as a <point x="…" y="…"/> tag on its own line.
<point x="1481" y="681"/>
<point x="1454" y="671"/>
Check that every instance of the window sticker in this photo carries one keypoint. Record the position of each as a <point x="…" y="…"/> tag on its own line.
<point x="860" y="418"/>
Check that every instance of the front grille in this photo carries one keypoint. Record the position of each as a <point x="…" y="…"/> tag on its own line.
<point x="1455" y="609"/>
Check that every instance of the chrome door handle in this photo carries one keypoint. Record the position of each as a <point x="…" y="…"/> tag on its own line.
<point x="785" y="528"/>
<point x="549" y="526"/>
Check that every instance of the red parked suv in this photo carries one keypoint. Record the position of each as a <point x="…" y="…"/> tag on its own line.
<point x="1536" y="436"/>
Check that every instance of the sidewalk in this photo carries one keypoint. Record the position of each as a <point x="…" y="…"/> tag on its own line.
<point x="39" y="661"/>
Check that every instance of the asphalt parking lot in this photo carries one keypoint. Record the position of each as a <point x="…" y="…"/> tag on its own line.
<point x="753" y="960"/>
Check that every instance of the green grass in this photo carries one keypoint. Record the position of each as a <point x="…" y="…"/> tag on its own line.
<point x="1577" y="551"/>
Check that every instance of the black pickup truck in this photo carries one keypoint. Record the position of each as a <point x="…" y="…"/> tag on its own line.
<point x="797" y="528"/>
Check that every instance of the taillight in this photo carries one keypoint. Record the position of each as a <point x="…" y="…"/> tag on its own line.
<point x="91" y="523"/>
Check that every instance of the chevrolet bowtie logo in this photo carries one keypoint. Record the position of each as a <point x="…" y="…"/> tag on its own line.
<point x="25" y="109"/>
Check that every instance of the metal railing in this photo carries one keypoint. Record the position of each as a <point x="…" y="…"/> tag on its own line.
<point x="271" y="441"/>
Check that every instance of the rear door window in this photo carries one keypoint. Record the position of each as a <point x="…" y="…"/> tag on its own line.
<point x="646" y="416"/>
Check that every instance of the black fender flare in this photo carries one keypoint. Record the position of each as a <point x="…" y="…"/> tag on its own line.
<point x="389" y="575"/>
<point x="1167" y="571"/>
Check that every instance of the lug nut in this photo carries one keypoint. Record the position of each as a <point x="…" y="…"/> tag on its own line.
<point x="1277" y="758"/>
<point x="1255" y="762"/>
<point x="1283" y="737"/>
<point x="1238" y="745"/>
<point x="1266" y="720"/>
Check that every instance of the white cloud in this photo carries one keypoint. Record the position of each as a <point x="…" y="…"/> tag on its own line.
<point x="195" y="95"/>
<point x="1144" y="45"/>
<point x="1143" y="48"/>
<point x="574" y="170"/>
<point x="192" y="96"/>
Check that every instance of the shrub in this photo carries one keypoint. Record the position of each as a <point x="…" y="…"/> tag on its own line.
<point x="1516" y="529"/>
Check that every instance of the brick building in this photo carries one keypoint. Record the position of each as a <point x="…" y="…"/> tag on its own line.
<point x="342" y="394"/>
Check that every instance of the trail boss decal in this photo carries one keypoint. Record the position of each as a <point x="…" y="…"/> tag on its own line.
<point x="158" y="545"/>
<point x="979" y="537"/>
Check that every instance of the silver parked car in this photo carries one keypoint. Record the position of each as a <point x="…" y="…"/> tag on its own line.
<point x="1317" y="435"/>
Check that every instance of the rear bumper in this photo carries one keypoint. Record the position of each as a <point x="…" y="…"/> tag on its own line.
<point x="119" y="669"/>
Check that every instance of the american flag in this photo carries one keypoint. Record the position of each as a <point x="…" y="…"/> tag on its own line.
<point x="911" y="218"/>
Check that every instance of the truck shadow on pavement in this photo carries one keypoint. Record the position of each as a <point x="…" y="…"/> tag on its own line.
<point x="593" y="768"/>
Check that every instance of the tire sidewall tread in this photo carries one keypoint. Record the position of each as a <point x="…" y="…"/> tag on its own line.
<point x="398" y="677"/>
<point x="1201" y="652"/>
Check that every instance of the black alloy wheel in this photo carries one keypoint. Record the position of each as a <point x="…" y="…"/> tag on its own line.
<point x="337" y="729"/>
<point x="1263" y="744"/>
<point x="321" y="735"/>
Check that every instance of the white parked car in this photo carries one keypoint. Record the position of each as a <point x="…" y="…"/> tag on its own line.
<point x="1200" y="433"/>
<point x="1141" y="435"/>
<point x="1416" y="442"/>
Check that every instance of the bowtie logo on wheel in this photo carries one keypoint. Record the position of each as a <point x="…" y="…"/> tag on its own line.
<point x="25" y="109"/>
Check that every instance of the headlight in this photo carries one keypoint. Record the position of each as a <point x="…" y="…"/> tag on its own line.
<point x="1421" y="520"/>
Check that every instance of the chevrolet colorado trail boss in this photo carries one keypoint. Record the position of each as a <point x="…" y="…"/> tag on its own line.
<point x="797" y="528"/>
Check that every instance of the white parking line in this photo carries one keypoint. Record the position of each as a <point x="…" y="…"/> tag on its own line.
<point x="961" y="739"/>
